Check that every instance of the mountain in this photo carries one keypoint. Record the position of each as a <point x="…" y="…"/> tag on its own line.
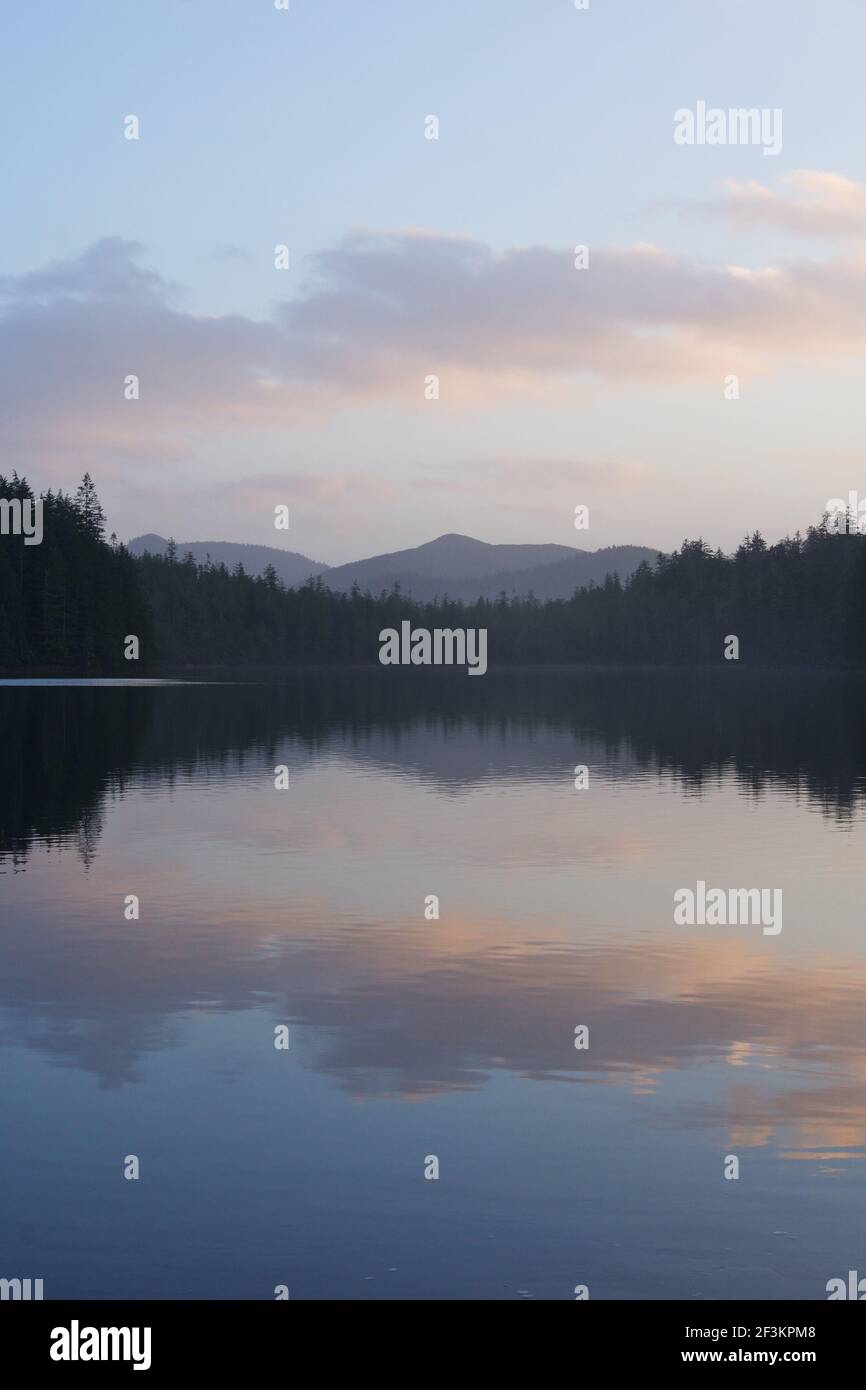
<point x="465" y="568"/>
<point x="449" y="557"/>
<point x="456" y="565"/>
<point x="292" y="568"/>
<point x="582" y="568"/>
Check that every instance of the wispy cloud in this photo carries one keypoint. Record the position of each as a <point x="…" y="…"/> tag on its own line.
<point x="813" y="202"/>
<point x="382" y="311"/>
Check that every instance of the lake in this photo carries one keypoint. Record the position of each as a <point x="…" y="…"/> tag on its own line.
<point x="418" y="1041"/>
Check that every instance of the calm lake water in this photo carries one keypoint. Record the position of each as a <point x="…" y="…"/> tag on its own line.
<point x="455" y="1037"/>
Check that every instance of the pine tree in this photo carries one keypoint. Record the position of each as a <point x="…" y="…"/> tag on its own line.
<point x="88" y="507"/>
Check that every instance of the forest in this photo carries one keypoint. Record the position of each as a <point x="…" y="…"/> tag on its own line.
<point x="70" y="603"/>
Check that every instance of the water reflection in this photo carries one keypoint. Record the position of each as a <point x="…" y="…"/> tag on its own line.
<point x="306" y="907"/>
<point x="65" y="747"/>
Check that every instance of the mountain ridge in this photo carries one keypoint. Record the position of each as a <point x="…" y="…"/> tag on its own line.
<point x="451" y="565"/>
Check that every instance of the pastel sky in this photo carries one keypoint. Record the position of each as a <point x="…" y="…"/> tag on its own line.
<point x="412" y="257"/>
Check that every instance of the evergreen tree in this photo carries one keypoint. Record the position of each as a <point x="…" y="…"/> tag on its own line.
<point x="89" y="509"/>
<point x="69" y="603"/>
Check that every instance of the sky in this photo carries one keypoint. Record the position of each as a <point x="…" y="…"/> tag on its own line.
<point x="607" y="387"/>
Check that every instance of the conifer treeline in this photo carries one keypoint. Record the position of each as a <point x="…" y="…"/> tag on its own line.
<point x="802" y="601"/>
<point x="70" y="602"/>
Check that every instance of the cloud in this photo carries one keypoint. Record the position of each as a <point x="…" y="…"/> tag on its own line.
<point x="105" y="273"/>
<point x="821" y="204"/>
<point x="377" y="315"/>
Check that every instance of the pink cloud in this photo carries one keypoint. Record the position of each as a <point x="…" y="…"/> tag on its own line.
<point x="818" y="203"/>
<point x="382" y="312"/>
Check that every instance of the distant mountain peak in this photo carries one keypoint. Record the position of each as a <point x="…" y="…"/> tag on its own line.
<point x="452" y="564"/>
<point x="292" y="568"/>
